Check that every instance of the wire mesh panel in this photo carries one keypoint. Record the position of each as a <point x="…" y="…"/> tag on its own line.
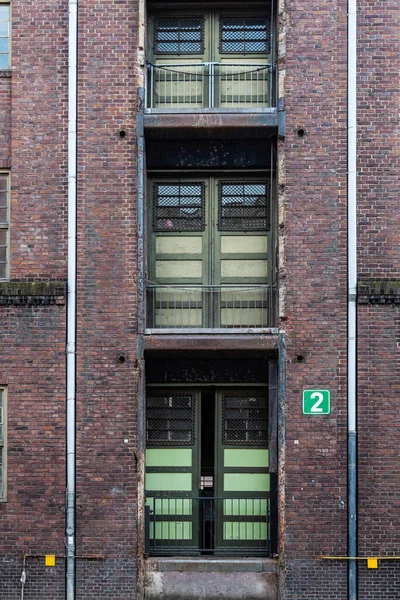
<point x="239" y="35"/>
<point x="179" y="35"/>
<point x="178" y="207"/>
<point x="244" y="206"/>
<point x="170" y="419"/>
<point x="244" y="419"/>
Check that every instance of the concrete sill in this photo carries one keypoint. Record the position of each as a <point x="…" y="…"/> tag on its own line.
<point x="212" y="564"/>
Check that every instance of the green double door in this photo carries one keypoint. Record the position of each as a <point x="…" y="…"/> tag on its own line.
<point x="209" y="251"/>
<point x="209" y="59"/>
<point x="207" y="476"/>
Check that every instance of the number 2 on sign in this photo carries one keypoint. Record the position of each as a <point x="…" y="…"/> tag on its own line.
<point x="316" y="408"/>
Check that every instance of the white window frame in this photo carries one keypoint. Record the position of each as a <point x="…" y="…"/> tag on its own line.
<point x="9" y="36"/>
<point x="3" y="443"/>
<point x="6" y="226"/>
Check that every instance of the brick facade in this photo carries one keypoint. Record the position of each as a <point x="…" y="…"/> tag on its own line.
<point x="312" y="184"/>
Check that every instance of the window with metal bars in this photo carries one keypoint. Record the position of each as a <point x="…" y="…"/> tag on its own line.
<point x="244" y="35"/>
<point x="179" y="35"/>
<point x="4" y="224"/>
<point x="178" y="207"/>
<point x="245" y="420"/>
<point x="244" y="206"/>
<point x="170" y="419"/>
<point x="3" y="445"/>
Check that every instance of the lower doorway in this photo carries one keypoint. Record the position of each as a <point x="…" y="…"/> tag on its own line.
<point x="208" y="486"/>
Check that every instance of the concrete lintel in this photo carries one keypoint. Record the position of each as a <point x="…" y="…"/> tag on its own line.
<point x="213" y="342"/>
<point x="209" y="120"/>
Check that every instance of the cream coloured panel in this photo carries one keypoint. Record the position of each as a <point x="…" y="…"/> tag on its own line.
<point x="178" y="245"/>
<point x="231" y="244"/>
<point x="174" y="269"/>
<point x="244" y="268"/>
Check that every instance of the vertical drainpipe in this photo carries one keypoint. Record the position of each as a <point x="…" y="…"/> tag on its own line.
<point x="71" y="304"/>
<point x="352" y="295"/>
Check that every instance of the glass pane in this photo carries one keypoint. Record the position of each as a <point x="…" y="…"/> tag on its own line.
<point x="3" y="61"/>
<point x="178" y="207"/>
<point x="4" y="45"/>
<point x="4" y="29"/>
<point x="179" y="35"/>
<point x="3" y="215"/>
<point x="3" y="254"/>
<point x="241" y="34"/>
<point x="3" y="271"/>
<point x="4" y="12"/>
<point x="3" y="237"/>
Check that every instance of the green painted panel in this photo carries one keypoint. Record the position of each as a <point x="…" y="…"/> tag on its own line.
<point x="245" y="507"/>
<point x="172" y="530"/>
<point x="169" y="457"/>
<point x="170" y="506"/>
<point x="241" y="531"/>
<point x="246" y="482"/>
<point x="245" y="457"/>
<point x="169" y="482"/>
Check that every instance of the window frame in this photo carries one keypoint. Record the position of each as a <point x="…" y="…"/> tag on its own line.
<point x="6" y="226"/>
<point x="3" y="444"/>
<point x="8" y="67"/>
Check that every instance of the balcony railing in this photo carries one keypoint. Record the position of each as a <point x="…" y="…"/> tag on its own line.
<point x="220" y="86"/>
<point x="224" y="308"/>
<point x="210" y="525"/>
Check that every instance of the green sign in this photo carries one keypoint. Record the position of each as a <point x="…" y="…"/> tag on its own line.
<point x="316" y="402"/>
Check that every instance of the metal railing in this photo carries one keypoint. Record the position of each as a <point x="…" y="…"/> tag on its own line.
<point x="209" y="525"/>
<point x="222" y="86"/>
<point x="229" y="308"/>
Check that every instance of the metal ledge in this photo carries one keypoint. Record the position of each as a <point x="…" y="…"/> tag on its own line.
<point x="211" y="119"/>
<point x="206" y="341"/>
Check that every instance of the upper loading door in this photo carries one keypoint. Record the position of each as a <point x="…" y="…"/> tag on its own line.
<point x="209" y="253"/>
<point x="209" y="59"/>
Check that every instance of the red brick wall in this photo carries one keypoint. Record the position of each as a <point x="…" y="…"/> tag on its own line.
<point x="39" y="140"/>
<point x="107" y="312"/>
<point x="32" y="339"/>
<point x="315" y="323"/>
<point x="378" y="139"/>
<point x="32" y="365"/>
<point x="315" y="211"/>
<point x="379" y="325"/>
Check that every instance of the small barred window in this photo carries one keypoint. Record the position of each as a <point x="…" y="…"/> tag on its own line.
<point x="178" y="207"/>
<point x="179" y="35"/>
<point x="244" y="206"/>
<point x="244" y="35"/>
<point x="170" y="419"/>
<point x="245" y="419"/>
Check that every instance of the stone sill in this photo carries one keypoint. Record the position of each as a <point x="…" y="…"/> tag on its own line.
<point x="212" y="564"/>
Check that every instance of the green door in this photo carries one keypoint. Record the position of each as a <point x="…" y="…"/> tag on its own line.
<point x="172" y="470"/>
<point x="209" y="59"/>
<point x="209" y="253"/>
<point x="242" y="481"/>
